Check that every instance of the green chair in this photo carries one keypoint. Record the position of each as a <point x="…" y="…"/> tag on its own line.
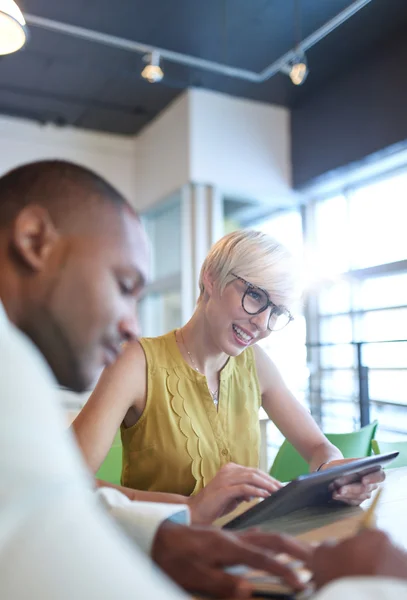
<point x="289" y="464"/>
<point x="383" y="447"/>
<point x="111" y="468"/>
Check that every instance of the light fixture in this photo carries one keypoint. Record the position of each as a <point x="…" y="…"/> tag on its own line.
<point x="298" y="69"/>
<point x="13" y="30"/>
<point x="152" y="71"/>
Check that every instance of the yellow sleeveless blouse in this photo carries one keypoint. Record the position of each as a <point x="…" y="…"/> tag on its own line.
<point x="182" y="440"/>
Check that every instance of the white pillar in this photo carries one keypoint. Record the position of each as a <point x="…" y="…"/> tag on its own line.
<point x="202" y="226"/>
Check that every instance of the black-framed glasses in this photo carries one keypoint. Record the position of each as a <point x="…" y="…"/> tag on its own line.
<point x="256" y="300"/>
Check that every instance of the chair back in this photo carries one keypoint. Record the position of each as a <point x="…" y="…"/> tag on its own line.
<point x="384" y="447"/>
<point x="111" y="468"/>
<point x="289" y="464"/>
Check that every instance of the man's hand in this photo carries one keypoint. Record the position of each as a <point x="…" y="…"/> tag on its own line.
<point x="231" y="485"/>
<point x="368" y="553"/>
<point x="355" y="493"/>
<point x="195" y="558"/>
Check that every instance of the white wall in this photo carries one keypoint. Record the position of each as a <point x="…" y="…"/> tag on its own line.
<point x="240" y="146"/>
<point x="163" y="154"/>
<point x="113" y="157"/>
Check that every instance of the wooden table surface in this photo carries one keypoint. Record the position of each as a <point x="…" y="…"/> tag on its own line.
<point x="318" y="525"/>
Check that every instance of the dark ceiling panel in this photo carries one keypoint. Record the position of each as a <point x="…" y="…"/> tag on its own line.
<point x="87" y="84"/>
<point x="112" y="120"/>
<point x="370" y="31"/>
<point x="196" y="27"/>
<point x="131" y="91"/>
<point x="39" y="108"/>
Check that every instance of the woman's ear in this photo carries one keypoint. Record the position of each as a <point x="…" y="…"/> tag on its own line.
<point x="34" y="236"/>
<point x="208" y="282"/>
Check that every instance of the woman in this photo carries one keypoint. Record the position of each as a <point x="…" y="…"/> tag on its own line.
<point x="187" y="402"/>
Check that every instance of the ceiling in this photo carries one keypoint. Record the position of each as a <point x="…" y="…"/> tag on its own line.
<point x="69" y="81"/>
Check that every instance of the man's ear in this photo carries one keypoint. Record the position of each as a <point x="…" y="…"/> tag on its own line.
<point x="34" y="236"/>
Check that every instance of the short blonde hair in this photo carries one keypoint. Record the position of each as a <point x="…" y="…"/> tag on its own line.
<point x="254" y="256"/>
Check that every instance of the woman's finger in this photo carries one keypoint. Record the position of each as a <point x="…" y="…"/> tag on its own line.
<point x="374" y="478"/>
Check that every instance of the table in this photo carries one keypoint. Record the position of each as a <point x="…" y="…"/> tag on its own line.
<point x="391" y="513"/>
<point x="317" y="525"/>
<point x="392" y="509"/>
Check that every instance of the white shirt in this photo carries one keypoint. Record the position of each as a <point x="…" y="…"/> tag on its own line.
<point x="364" y="588"/>
<point x="56" y="540"/>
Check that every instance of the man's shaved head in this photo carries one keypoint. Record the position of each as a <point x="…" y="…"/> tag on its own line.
<point x="73" y="258"/>
<point x="65" y="189"/>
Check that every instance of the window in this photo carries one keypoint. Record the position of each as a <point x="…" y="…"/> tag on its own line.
<point x="160" y="308"/>
<point x="160" y="312"/>
<point x="377" y="233"/>
<point x="331" y="223"/>
<point x="163" y="226"/>
<point x="360" y="251"/>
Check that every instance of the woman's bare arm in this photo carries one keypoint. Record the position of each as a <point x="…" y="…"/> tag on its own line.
<point x="142" y="496"/>
<point x="300" y="429"/>
<point x="292" y="419"/>
<point x="121" y="386"/>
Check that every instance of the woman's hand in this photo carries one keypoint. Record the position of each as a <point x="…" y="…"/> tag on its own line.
<point x="354" y="493"/>
<point x="230" y="486"/>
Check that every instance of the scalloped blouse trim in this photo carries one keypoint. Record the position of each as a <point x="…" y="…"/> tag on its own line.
<point x="193" y="445"/>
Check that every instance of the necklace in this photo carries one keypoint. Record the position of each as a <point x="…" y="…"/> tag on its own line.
<point x="215" y="397"/>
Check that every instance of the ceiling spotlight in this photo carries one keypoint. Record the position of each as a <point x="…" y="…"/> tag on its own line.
<point x="13" y="30"/>
<point x="152" y="71"/>
<point x="298" y="69"/>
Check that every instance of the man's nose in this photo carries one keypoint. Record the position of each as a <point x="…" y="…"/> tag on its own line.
<point x="129" y="328"/>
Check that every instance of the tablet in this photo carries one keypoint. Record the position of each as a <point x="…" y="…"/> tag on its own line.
<point x="310" y="490"/>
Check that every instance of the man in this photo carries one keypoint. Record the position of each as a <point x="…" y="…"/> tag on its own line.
<point x="73" y="259"/>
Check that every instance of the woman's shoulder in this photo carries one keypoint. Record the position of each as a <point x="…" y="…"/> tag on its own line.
<point x="131" y="360"/>
<point x="267" y="372"/>
<point x="157" y="340"/>
<point x="262" y="360"/>
<point x="243" y="367"/>
<point x="160" y="350"/>
<point x="247" y="358"/>
<point x="255" y="360"/>
<point x="158" y="343"/>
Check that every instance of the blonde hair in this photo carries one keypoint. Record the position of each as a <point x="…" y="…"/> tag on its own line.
<point x="254" y="256"/>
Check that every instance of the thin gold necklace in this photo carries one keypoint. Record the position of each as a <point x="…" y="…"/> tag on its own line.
<point x="214" y="394"/>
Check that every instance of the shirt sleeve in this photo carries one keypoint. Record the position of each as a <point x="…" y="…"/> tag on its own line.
<point x="56" y="541"/>
<point x="364" y="588"/>
<point x="140" y="520"/>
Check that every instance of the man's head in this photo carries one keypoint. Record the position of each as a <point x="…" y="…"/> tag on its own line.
<point x="73" y="258"/>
